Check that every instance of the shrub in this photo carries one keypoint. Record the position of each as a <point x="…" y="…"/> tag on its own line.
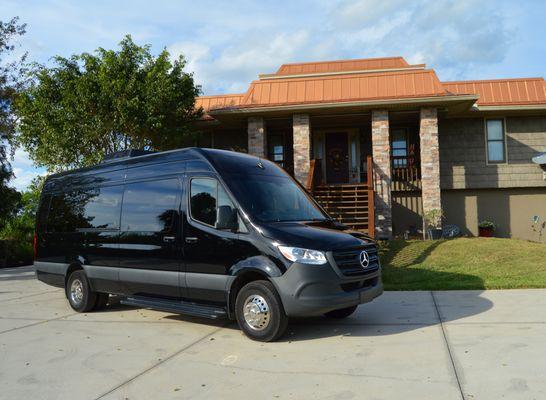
<point x="485" y="224"/>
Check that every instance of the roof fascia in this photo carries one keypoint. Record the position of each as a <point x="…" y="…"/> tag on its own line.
<point x="369" y="103"/>
<point x="512" y="107"/>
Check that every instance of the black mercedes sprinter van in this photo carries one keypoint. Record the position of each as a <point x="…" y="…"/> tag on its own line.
<point x="204" y="232"/>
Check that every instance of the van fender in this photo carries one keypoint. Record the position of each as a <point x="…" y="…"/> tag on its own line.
<point x="257" y="264"/>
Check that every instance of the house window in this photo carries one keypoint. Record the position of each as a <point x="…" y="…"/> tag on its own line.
<point x="496" y="143"/>
<point x="399" y="147"/>
<point x="276" y="149"/>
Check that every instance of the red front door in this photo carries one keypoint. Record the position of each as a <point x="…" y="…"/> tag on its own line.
<point x="337" y="157"/>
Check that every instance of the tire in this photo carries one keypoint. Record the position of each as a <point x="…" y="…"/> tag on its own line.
<point x="102" y="300"/>
<point x="341" y="313"/>
<point x="79" y="293"/>
<point x="256" y="297"/>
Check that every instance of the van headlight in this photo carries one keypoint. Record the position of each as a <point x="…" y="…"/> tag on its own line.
<point x="304" y="256"/>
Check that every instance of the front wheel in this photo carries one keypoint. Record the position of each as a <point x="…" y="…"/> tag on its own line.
<point x="259" y="311"/>
<point x="341" y="313"/>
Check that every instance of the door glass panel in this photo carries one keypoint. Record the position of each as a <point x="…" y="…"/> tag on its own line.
<point x="353" y="154"/>
<point x="150" y="206"/>
<point x="223" y="198"/>
<point x="203" y="200"/>
<point x="276" y="149"/>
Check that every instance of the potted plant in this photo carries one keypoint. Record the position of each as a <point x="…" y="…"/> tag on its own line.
<point x="432" y="224"/>
<point x="486" y="228"/>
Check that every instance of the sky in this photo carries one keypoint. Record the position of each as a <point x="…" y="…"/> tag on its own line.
<point x="227" y="44"/>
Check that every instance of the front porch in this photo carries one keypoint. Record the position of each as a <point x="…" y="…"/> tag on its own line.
<point x="376" y="170"/>
<point x="355" y="164"/>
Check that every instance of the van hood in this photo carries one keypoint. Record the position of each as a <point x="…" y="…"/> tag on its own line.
<point x="316" y="235"/>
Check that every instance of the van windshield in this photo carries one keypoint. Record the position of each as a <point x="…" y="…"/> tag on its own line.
<point x="274" y="198"/>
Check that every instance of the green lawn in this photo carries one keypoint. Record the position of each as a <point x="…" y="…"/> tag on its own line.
<point x="463" y="263"/>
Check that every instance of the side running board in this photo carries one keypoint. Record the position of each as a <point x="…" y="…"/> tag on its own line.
<point x="178" y="307"/>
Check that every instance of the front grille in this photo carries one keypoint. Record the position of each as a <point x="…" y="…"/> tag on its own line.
<point x="348" y="261"/>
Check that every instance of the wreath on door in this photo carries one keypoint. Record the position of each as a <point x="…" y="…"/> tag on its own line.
<point x="336" y="158"/>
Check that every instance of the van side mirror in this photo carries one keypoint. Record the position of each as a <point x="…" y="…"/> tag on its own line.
<point x="226" y="218"/>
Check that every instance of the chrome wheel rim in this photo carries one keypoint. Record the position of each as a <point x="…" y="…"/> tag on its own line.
<point x="256" y="312"/>
<point x="76" y="291"/>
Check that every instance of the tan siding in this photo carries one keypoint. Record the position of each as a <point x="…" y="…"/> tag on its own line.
<point x="463" y="155"/>
<point x="512" y="210"/>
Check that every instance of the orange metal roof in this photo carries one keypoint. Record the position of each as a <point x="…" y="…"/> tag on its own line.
<point x="502" y="91"/>
<point x="342" y="65"/>
<point x="218" y="101"/>
<point x="360" y="80"/>
<point x="344" y="88"/>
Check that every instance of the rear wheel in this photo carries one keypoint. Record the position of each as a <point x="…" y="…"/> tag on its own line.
<point x="341" y="313"/>
<point x="259" y="311"/>
<point x="79" y="293"/>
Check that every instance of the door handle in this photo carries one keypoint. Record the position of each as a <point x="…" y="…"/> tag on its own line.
<point x="169" y="239"/>
<point x="190" y="239"/>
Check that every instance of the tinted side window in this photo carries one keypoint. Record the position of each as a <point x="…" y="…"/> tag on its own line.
<point x="102" y="207"/>
<point x="203" y="200"/>
<point x="86" y="208"/>
<point x="150" y="206"/>
<point x="206" y="196"/>
<point x="41" y="214"/>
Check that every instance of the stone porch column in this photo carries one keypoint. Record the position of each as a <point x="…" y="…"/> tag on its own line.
<point x="302" y="146"/>
<point x="257" y="136"/>
<point x="381" y="153"/>
<point x="430" y="162"/>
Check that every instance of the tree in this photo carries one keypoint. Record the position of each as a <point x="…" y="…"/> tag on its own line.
<point x="89" y="105"/>
<point x="10" y="83"/>
<point x="19" y="229"/>
<point x="21" y="226"/>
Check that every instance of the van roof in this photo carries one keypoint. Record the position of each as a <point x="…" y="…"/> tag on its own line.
<point x="219" y="160"/>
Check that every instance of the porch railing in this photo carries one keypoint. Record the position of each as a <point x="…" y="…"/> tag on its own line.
<point x="315" y="175"/>
<point x="405" y="173"/>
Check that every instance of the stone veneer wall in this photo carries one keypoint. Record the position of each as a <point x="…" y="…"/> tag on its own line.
<point x="302" y="146"/>
<point x="257" y="137"/>
<point x="430" y="162"/>
<point x="382" y="173"/>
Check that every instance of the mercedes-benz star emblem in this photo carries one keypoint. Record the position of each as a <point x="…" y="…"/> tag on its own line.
<point x="260" y="165"/>
<point x="364" y="259"/>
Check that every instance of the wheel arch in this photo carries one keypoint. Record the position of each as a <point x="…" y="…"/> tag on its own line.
<point x="249" y="270"/>
<point x="75" y="266"/>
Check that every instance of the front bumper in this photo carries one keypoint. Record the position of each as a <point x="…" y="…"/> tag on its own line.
<point x="310" y="290"/>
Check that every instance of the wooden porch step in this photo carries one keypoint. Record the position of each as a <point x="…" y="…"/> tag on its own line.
<point x="348" y="203"/>
<point x="341" y="190"/>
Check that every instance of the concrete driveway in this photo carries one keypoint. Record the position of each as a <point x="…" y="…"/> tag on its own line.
<point x="404" y="345"/>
